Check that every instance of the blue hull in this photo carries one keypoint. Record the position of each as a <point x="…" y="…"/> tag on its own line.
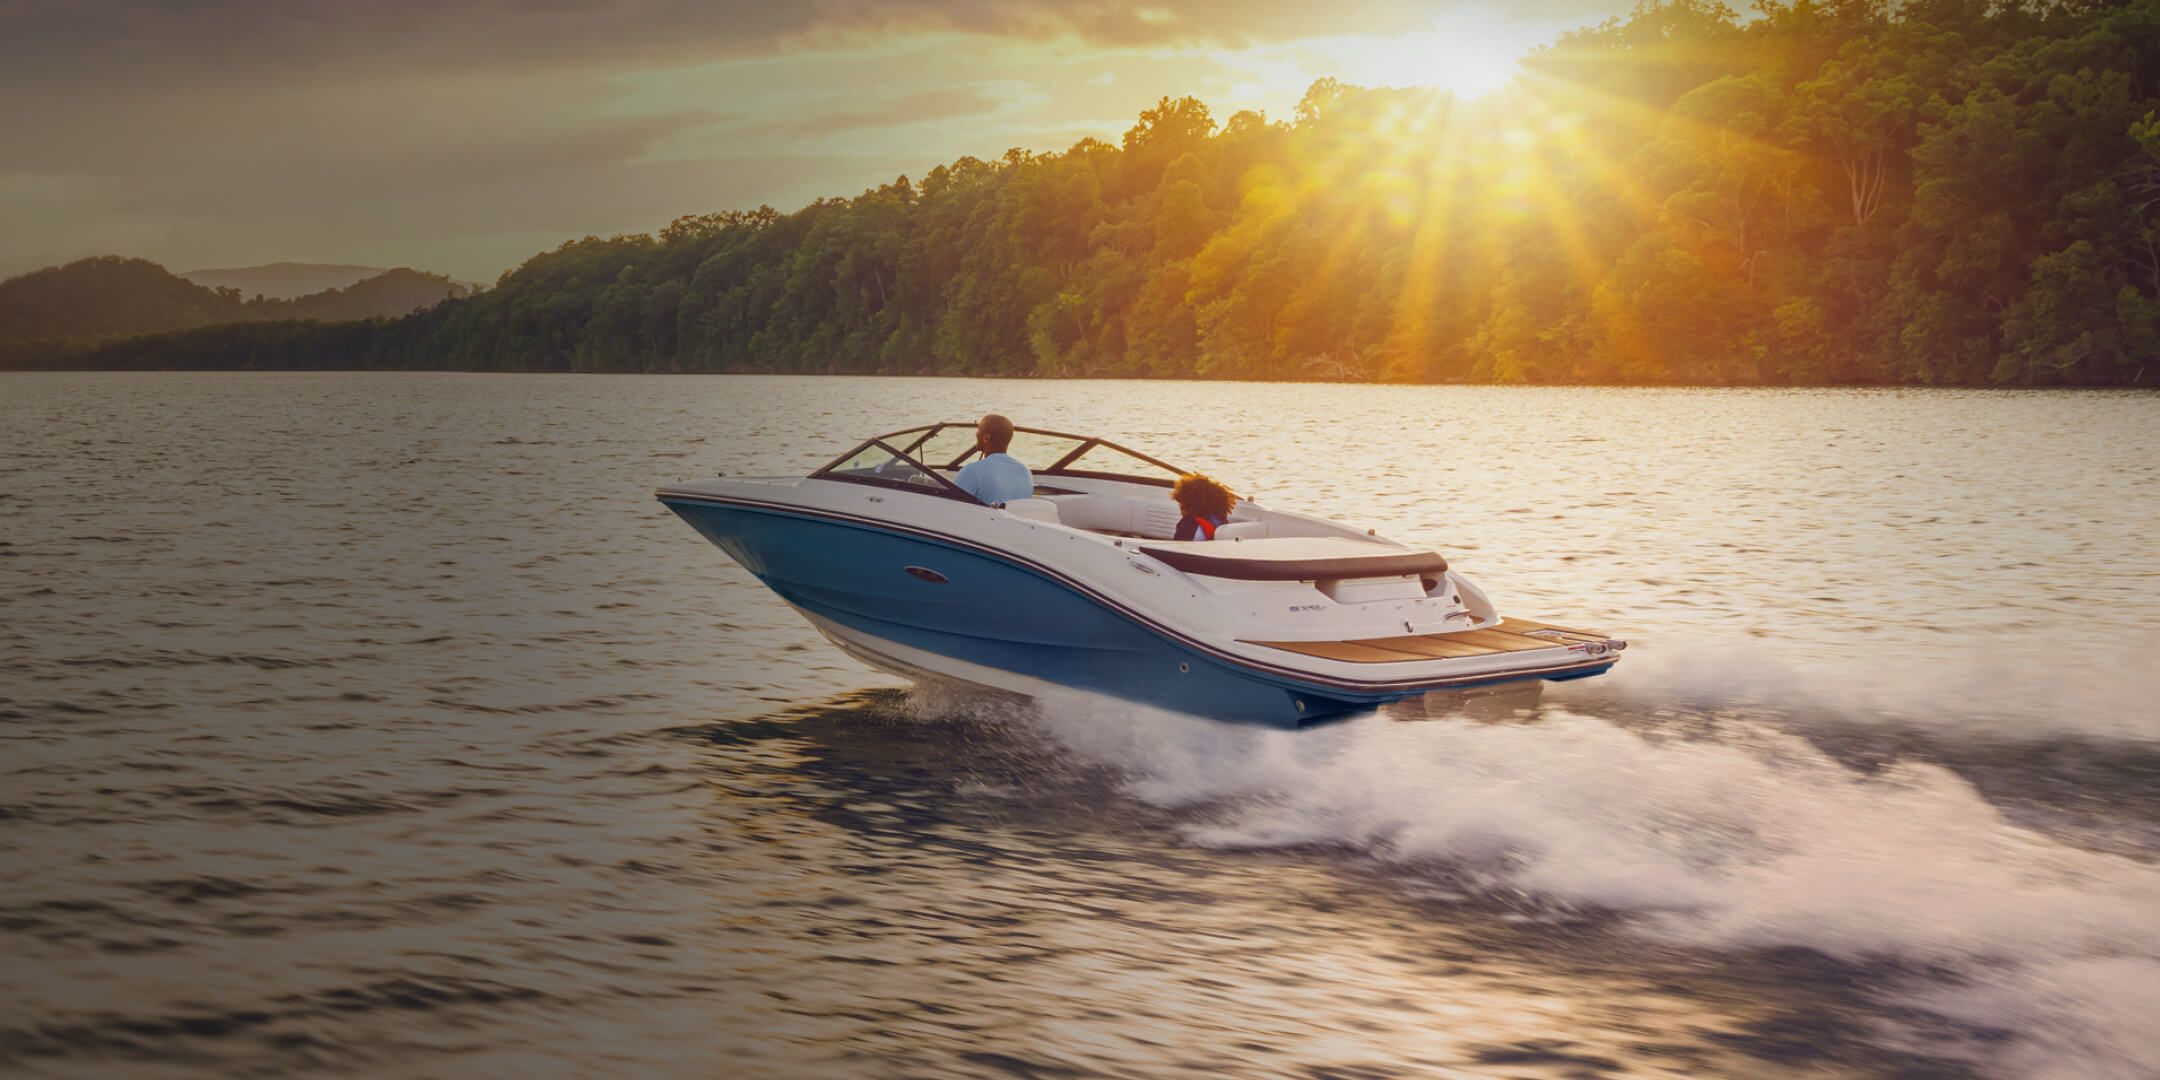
<point x="999" y="612"/>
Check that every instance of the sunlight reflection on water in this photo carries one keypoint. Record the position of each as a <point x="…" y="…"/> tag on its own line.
<point x="385" y="725"/>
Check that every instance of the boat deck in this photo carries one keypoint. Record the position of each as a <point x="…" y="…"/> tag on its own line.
<point x="1512" y="635"/>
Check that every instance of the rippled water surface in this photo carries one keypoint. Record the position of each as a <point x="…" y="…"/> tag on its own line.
<point x="384" y="725"/>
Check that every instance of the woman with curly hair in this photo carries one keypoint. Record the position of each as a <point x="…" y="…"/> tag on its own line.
<point x="1206" y="505"/>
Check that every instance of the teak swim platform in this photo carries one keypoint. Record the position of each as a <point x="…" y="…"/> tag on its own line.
<point x="1512" y="635"/>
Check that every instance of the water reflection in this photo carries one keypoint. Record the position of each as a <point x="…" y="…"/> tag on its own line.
<point x="1004" y="894"/>
<point x="383" y="725"/>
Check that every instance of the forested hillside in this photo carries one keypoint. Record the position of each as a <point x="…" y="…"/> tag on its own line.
<point x="282" y="280"/>
<point x="110" y="295"/>
<point x="1950" y="192"/>
<point x="106" y="295"/>
<point x="392" y="292"/>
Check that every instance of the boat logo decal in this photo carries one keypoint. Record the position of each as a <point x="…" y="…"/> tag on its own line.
<point x="927" y="574"/>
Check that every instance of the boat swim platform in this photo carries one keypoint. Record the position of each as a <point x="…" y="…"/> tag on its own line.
<point x="1511" y="635"/>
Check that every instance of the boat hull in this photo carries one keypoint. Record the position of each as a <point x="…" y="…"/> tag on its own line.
<point x="912" y="601"/>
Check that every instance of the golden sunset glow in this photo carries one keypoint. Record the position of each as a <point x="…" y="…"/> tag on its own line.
<point x="1469" y="60"/>
<point x="1536" y="192"/>
<point x="601" y="119"/>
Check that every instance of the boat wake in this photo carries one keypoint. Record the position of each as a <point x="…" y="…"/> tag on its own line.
<point x="2015" y="693"/>
<point x="1723" y="824"/>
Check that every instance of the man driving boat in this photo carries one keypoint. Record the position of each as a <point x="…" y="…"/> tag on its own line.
<point x="996" y="477"/>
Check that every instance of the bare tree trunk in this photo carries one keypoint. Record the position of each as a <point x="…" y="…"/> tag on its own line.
<point x="1865" y="174"/>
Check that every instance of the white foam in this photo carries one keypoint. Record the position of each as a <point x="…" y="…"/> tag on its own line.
<point x="2090" y="1018"/>
<point x="1749" y="838"/>
<point x="2057" y="687"/>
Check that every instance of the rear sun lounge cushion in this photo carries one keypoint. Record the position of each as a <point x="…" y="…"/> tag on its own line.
<point x="1300" y="559"/>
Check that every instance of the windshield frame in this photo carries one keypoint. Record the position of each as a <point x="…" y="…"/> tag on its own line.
<point x="1083" y="445"/>
<point x="906" y="443"/>
<point x="944" y="488"/>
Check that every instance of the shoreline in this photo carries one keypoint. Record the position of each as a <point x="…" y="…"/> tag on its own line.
<point x="1878" y="387"/>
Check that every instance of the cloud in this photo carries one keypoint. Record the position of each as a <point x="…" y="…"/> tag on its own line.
<point x="919" y="108"/>
<point x="465" y="135"/>
<point x="132" y="43"/>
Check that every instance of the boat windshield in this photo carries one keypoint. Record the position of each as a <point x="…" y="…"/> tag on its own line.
<point x="949" y="446"/>
<point x="1100" y="458"/>
<point x="876" y="463"/>
<point x="917" y="459"/>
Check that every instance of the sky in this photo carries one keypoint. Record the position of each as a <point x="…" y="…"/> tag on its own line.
<point x="464" y="136"/>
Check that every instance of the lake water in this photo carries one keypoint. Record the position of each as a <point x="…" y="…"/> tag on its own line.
<point x="384" y="725"/>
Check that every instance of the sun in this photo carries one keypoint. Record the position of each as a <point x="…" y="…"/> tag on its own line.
<point x="1469" y="56"/>
<point x="1469" y="65"/>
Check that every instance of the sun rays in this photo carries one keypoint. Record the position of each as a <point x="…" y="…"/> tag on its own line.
<point x="1540" y="185"/>
<point x="1452" y="186"/>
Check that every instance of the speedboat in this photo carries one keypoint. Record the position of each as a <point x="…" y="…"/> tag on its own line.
<point x="1282" y="619"/>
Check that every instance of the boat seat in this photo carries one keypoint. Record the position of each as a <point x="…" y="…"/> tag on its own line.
<point x="1032" y="509"/>
<point x="1117" y="515"/>
<point x="1241" y="530"/>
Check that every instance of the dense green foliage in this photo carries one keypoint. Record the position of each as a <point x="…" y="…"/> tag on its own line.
<point x="110" y="295"/>
<point x="1955" y="192"/>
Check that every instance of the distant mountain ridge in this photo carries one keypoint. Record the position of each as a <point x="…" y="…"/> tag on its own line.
<point x="109" y="295"/>
<point x="292" y="280"/>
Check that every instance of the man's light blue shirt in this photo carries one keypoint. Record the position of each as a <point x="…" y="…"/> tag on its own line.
<point x="997" y="478"/>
